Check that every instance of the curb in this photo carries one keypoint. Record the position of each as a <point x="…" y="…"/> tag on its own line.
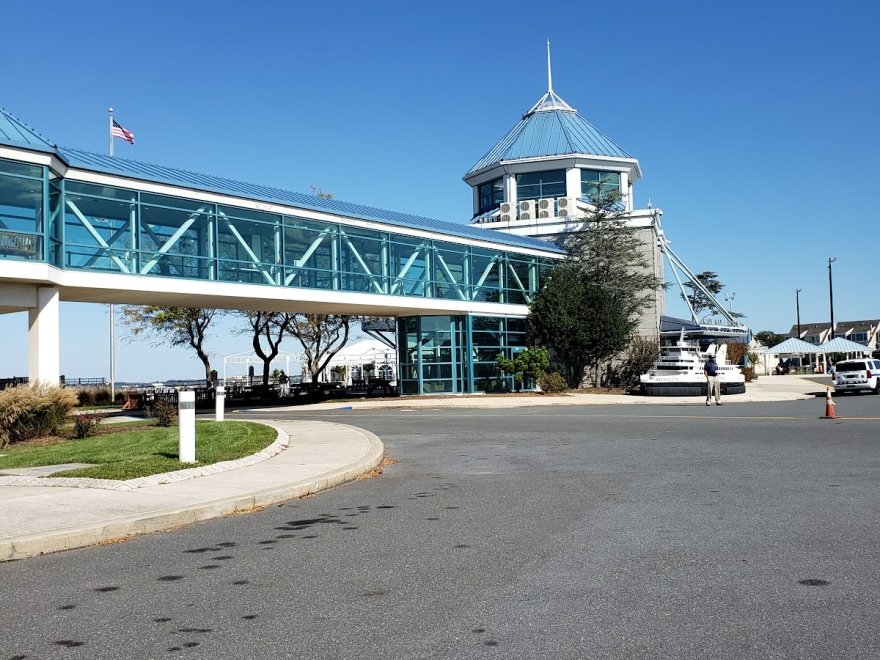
<point x="128" y="527"/>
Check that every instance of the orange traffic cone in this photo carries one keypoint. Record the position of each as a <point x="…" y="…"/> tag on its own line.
<point x="829" y="406"/>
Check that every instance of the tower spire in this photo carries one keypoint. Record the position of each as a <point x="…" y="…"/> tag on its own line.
<point x="550" y="101"/>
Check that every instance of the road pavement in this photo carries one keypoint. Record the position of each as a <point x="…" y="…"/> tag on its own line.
<point x="42" y="514"/>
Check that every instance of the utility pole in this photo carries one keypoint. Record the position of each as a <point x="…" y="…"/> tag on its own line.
<point x="831" y="260"/>
<point x="797" y="302"/>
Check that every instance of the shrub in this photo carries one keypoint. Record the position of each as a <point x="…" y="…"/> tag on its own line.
<point x="553" y="382"/>
<point x="85" y="424"/>
<point x="736" y="353"/>
<point x="165" y="412"/>
<point x="85" y="398"/>
<point x="102" y="395"/>
<point x="33" y="411"/>
<point x="639" y="358"/>
<point x="754" y="359"/>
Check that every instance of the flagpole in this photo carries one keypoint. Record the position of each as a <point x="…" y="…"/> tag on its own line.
<point x="110" y="110"/>
<point x="112" y="308"/>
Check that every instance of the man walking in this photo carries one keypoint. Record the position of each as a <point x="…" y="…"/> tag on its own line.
<point x="712" y="384"/>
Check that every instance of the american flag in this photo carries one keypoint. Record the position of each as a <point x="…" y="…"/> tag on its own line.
<point x="120" y="132"/>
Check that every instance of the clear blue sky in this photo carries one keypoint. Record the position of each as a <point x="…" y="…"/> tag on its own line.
<point x="755" y="122"/>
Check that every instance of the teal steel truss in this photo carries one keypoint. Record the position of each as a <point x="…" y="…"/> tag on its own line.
<point x="132" y="232"/>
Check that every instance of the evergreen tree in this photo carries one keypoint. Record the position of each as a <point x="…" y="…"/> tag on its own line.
<point x="610" y="253"/>
<point x="583" y="323"/>
<point x="602" y="289"/>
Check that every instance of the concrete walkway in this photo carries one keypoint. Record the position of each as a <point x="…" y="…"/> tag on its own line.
<point x="41" y="515"/>
<point x="765" y="388"/>
<point x="36" y="520"/>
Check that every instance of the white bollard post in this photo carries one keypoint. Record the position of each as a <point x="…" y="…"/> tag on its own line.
<point x="220" y="401"/>
<point x="186" y="419"/>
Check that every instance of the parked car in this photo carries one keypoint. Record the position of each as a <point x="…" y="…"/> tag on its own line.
<point x="857" y="376"/>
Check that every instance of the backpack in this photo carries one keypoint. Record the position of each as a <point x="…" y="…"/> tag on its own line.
<point x="712" y="368"/>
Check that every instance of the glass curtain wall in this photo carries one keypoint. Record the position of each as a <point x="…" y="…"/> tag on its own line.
<point x="23" y="199"/>
<point x="121" y="230"/>
<point x="457" y="354"/>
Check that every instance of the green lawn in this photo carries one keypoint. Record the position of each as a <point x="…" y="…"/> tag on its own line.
<point x="126" y="454"/>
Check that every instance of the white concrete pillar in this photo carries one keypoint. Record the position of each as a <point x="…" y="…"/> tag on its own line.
<point x="44" y="339"/>
<point x="573" y="182"/>
<point x="509" y="184"/>
<point x="626" y="190"/>
<point x="219" y="403"/>
<point x="186" y="420"/>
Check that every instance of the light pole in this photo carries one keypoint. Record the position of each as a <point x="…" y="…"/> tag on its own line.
<point x="797" y="302"/>
<point x="730" y="300"/>
<point x="831" y="260"/>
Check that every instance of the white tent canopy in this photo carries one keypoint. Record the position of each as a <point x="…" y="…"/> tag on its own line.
<point x="366" y="351"/>
<point x="793" y="345"/>
<point x="250" y="357"/>
<point x="843" y="345"/>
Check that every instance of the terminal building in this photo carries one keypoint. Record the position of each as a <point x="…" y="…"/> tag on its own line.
<point x="85" y="227"/>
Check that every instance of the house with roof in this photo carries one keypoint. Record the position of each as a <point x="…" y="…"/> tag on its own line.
<point x="812" y="333"/>
<point x="865" y="332"/>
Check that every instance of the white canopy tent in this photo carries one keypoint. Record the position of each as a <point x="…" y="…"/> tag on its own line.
<point x="248" y="358"/>
<point x="366" y="351"/>
<point x="795" y="346"/>
<point x="843" y="345"/>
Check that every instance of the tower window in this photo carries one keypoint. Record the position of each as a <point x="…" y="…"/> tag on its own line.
<point x="535" y="185"/>
<point x="598" y="185"/>
<point x="491" y="195"/>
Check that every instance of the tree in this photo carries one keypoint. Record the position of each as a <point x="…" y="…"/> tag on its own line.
<point x="769" y="338"/>
<point x="268" y="327"/>
<point x="591" y="304"/>
<point x="175" y="326"/>
<point x="638" y="358"/>
<point x="583" y="323"/>
<point x="321" y="337"/>
<point x="526" y="366"/>
<point x="611" y="255"/>
<point x="697" y="298"/>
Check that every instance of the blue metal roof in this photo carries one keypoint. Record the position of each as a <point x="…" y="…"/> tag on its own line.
<point x="550" y="130"/>
<point x="93" y="162"/>
<point x="16" y="132"/>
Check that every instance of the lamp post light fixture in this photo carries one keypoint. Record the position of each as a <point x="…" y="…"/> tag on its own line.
<point x="797" y="302"/>
<point x="831" y="260"/>
<point x="730" y="298"/>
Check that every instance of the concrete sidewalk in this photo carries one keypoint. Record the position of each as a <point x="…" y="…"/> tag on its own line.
<point x="765" y="388"/>
<point x="313" y="456"/>
<point x="42" y="515"/>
